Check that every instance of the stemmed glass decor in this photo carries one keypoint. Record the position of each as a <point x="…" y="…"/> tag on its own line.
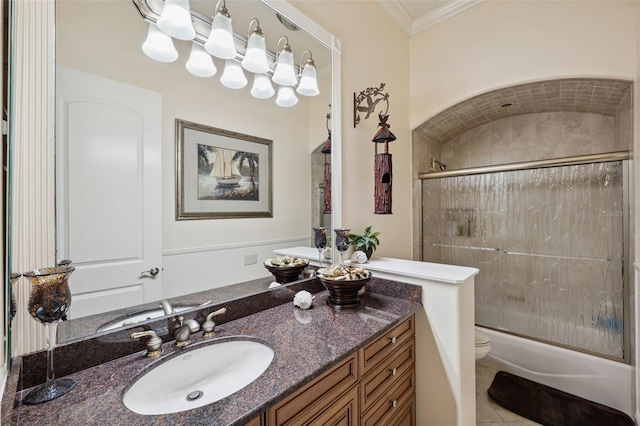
<point x="342" y="241"/>
<point x="49" y="300"/>
<point x="320" y="240"/>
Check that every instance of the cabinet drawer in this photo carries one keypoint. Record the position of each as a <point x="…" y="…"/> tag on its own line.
<point x="380" y="348"/>
<point x="386" y="410"/>
<point x="407" y="416"/>
<point x="343" y="412"/>
<point x="377" y="382"/>
<point x="257" y="421"/>
<point x="306" y="403"/>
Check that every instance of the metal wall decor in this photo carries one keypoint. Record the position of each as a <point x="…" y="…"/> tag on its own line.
<point x="382" y="162"/>
<point x="372" y="95"/>
<point x="326" y="150"/>
<point x="383" y="167"/>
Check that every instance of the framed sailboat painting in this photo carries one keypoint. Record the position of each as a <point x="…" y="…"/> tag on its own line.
<point x="221" y="174"/>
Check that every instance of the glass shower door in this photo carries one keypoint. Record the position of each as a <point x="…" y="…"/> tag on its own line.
<point x="549" y="246"/>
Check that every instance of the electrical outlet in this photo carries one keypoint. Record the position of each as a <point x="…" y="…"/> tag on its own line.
<point x="250" y="259"/>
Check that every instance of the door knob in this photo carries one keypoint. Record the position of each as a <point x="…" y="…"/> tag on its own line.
<point x="153" y="272"/>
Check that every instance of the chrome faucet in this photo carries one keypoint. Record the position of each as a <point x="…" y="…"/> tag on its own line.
<point x="167" y="308"/>
<point x="154" y="344"/>
<point x="183" y="333"/>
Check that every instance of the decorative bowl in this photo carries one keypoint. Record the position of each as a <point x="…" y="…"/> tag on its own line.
<point x="343" y="284"/>
<point x="286" y="269"/>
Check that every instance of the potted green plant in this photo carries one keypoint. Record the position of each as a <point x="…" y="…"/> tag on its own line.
<point x="367" y="242"/>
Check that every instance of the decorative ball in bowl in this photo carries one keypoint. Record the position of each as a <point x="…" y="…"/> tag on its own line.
<point x="343" y="283"/>
<point x="286" y="269"/>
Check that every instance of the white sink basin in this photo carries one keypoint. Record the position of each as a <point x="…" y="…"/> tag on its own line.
<point x="139" y="317"/>
<point x="198" y="377"/>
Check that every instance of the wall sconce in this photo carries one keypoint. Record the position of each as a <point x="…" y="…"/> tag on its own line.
<point x="255" y="58"/>
<point x="382" y="166"/>
<point x="233" y="76"/>
<point x="284" y="74"/>
<point x="220" y="42"/>
<point x="159" y="46"/>
<point x="200" y="63"/>
<point x="372" y="95"/>
<point x="326" y="150"/>
<point x="309" y="77"/>
<point x="262" y="87"/>
<point x="286" y="97"/>
<point x="175" y="20"/>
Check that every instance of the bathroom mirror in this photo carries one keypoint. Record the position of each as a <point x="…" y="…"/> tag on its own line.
<point x="196" y="255"/>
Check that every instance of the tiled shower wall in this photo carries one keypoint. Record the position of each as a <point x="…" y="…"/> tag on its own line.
<point x="530" y="137"/>
<point x="623" y="124"/>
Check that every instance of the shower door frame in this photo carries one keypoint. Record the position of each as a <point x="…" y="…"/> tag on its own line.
<point x="624" y="157"/>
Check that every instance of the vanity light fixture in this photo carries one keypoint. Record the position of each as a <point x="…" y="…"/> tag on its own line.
<point x="255" y="58"/>
<point x="284" y="74"/>
<point x="200" y="63"/>
<point x="308" y="80"/>
<point x="262" y="87"/>
<point x="159" y="46"/>
<point x="175" y="20"/>
<point x="233" y="76"/>
<point x="286" y="97"/>
<point x="220" y="42"/>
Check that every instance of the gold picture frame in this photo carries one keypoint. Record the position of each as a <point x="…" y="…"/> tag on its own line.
<point x="221" y="174"/>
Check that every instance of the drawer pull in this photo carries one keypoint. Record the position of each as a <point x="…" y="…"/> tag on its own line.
<point x="394" y="403"/>
<point x="394" y="371"/>
<point x="393" y="339"/>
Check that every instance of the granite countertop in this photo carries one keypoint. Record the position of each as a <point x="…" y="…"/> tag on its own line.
<point x="305" y="343"/>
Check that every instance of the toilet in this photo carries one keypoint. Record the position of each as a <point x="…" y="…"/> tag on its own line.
<point x="483" y="344"/>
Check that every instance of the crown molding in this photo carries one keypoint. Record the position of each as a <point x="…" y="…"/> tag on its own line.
<point x="413" y="26"/>
<point x="440" y="13"/>
<point x="398" y="13"/>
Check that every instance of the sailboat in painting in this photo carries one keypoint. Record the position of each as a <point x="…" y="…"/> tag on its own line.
<point x="224" y="169"/>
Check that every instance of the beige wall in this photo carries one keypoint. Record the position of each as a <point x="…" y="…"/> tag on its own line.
<point x="496" y="44"/>
<point x="374" y="50"/>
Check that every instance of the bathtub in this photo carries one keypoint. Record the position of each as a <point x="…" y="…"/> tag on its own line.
<point x="596" y="379"/>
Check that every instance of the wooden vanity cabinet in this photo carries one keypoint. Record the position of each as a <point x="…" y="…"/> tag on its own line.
<point x="257" y="421"/>
<point x="374" y="386"/>
<point x="387" y="382"/>
<point x="331" y="399"/>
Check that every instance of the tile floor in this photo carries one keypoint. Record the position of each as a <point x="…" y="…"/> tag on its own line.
<point x="488" y="413"/>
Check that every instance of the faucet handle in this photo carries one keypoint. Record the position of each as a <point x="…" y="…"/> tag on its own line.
<point x="183" y="333"/>
<point x="209" y="327"/>
<point x="154" y="344"/>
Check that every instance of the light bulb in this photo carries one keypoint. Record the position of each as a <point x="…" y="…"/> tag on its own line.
<point x="285" y="74"/>
<point x="286" y="97"/>
<point x="233" y="76"/>
<point x="200" y="63"/>
<point x="220" y="42"/>
<point x="159" y="46"/>
<point x="255" y="58"/>
<point x="308" y="82"/>
<point x="262" y="87"/>
<point x="175" y="20"/>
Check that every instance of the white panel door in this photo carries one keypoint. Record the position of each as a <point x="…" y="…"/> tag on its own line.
<point x="108" y="191"/>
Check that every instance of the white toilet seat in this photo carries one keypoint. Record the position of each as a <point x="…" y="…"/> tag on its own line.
<point x="482" y="339"/>
<point x="483" y="344"/>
